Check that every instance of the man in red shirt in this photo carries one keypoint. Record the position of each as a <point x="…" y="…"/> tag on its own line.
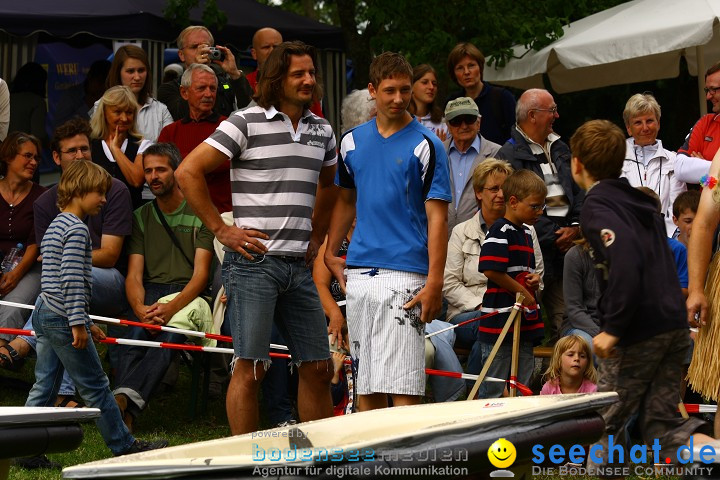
<point x="704" y="139"/>
<point x="198" y="87"/>
<point x="263" y="42"/>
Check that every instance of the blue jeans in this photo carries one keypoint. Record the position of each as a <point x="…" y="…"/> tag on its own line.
<point x="108" y="299"/>
<point x="141" y="369"/>
<point x="276" y="289"/>
<point x="445" y="389"/>
<point x="55" y="354"/>
<point x="466" y="336"/>
<point x="500" y="367"/>
<point x="26" y="292"/>
<point x="276" y="386"/>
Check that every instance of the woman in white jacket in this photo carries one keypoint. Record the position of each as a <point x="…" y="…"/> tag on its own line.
<point x="647" y="163"/>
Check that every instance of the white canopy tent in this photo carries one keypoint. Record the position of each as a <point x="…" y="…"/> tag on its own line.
<point x="637" y="41"/>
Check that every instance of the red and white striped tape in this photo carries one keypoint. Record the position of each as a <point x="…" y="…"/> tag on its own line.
<point x="198" y="348"/>
<point x="700" y="408"/>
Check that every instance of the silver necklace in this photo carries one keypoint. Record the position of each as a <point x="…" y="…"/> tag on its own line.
<point x="14" y="199"/>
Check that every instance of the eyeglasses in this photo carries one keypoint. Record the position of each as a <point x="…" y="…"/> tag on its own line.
<point x="460" y="119"/>
<point x="30" y="156"/>
<point x="552" y="110"/>
<point x="493" y="190"/>
<point x="73" y="150"/>
<point x="535" y="208"/>
<point x="710" y="90"/>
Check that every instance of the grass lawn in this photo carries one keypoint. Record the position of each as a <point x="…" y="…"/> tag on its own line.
<point x="167" y="416"/>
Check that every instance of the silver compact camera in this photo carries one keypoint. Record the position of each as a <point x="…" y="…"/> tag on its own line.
<point x="216" y="54"/>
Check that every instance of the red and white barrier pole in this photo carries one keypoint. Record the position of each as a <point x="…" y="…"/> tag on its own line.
<point x="700" y="408"/>
<point x="198" y="348"/>
<point x="148" y="326"/>
<point x="211" y="336"/>
<point x="452" y="327"/>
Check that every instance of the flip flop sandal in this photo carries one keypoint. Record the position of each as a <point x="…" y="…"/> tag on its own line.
<point x="14" y="362"/>
<point x="67" y="400"/>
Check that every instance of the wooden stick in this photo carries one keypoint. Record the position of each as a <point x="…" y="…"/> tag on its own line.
<point x="515" y="310"/>
<point x="515" y="352"/>
<point x="682" y="409"/>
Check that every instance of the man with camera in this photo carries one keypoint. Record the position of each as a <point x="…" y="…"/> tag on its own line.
<point x="196" y="45"/>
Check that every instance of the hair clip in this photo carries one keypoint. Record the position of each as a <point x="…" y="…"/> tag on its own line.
<point x="708" y="181"/>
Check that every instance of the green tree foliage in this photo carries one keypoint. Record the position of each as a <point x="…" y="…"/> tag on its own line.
<point x="178" y="12"/>
<point x="425" y="30"/>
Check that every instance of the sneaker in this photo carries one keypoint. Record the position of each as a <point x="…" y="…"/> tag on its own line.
<point x="38" y="461"/>
<point x="286" y="423"/>
<point x="214" y="390"/>
<point x="144" y="446"/>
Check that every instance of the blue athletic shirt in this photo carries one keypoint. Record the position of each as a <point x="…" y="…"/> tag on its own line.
<point x="393" y="178"/>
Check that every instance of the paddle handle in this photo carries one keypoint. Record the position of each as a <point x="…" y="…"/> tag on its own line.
<point x="515" y="351"/>
<point x="511" y="318"/>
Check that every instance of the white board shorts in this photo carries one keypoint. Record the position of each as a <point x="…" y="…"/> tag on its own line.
<point x="386" y="341"/>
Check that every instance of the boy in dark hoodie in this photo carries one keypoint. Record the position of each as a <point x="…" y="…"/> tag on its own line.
<point x="644" y="334"/>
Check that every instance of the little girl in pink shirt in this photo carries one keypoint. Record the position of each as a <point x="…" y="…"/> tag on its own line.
<point x="571" y="368"/>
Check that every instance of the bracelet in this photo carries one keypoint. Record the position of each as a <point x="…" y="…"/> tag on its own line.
<point x="708" y="181"/>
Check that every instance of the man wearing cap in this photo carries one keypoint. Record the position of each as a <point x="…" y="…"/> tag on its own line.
<point x="465" y="149"/>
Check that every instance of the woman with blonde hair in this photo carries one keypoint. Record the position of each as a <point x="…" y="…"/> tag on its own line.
<point x="647" y="163"/>
<point x="131" y="68"/>
<point x="571" y="368"/>
<point x="117" y="146"/>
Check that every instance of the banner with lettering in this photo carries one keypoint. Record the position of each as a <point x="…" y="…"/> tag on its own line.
<point x="67" y="67"/>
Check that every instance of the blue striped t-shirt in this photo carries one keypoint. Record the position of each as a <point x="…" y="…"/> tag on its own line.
<point x="66" y="280"/>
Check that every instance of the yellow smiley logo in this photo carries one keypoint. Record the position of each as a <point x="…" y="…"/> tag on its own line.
<point x="502" y="453"/>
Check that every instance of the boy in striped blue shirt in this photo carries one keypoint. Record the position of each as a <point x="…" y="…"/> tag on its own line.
<point x="507" y="259"/>
<point x="61" y="319"/>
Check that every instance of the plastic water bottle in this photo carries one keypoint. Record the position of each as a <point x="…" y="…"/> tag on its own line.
<point x="12" y="258"/>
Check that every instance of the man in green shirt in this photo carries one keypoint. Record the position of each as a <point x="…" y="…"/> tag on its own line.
<point x="170" y="251"/>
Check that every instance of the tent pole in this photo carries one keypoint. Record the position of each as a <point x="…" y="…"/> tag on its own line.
<point x="700" y="55"/>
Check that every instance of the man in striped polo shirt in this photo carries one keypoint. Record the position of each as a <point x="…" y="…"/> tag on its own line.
<point x="280" y="154"/>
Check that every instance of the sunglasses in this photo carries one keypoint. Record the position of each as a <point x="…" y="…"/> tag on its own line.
<point x="460" y="119"/>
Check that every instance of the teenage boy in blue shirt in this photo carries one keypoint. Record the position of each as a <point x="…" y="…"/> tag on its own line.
<point x="394" y="178"/>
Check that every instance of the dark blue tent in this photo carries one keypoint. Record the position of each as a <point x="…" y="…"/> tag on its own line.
<point x="24" y="25"/>
<point x="143" y="19"/>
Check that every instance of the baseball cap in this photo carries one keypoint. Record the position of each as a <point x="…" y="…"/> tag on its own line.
<point x="461" y="106"/>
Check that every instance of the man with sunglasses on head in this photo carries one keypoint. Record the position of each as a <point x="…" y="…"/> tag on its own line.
<point x="465" y="148"/>
<point x="534" y="146"/>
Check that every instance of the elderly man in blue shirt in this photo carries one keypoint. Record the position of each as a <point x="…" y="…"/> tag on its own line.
<point x="465" y="149"/>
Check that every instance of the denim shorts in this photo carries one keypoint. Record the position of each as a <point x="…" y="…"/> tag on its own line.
<point x="273" y="288"/>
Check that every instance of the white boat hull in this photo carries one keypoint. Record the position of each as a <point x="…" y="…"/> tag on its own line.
<point x="444" y="434"/>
